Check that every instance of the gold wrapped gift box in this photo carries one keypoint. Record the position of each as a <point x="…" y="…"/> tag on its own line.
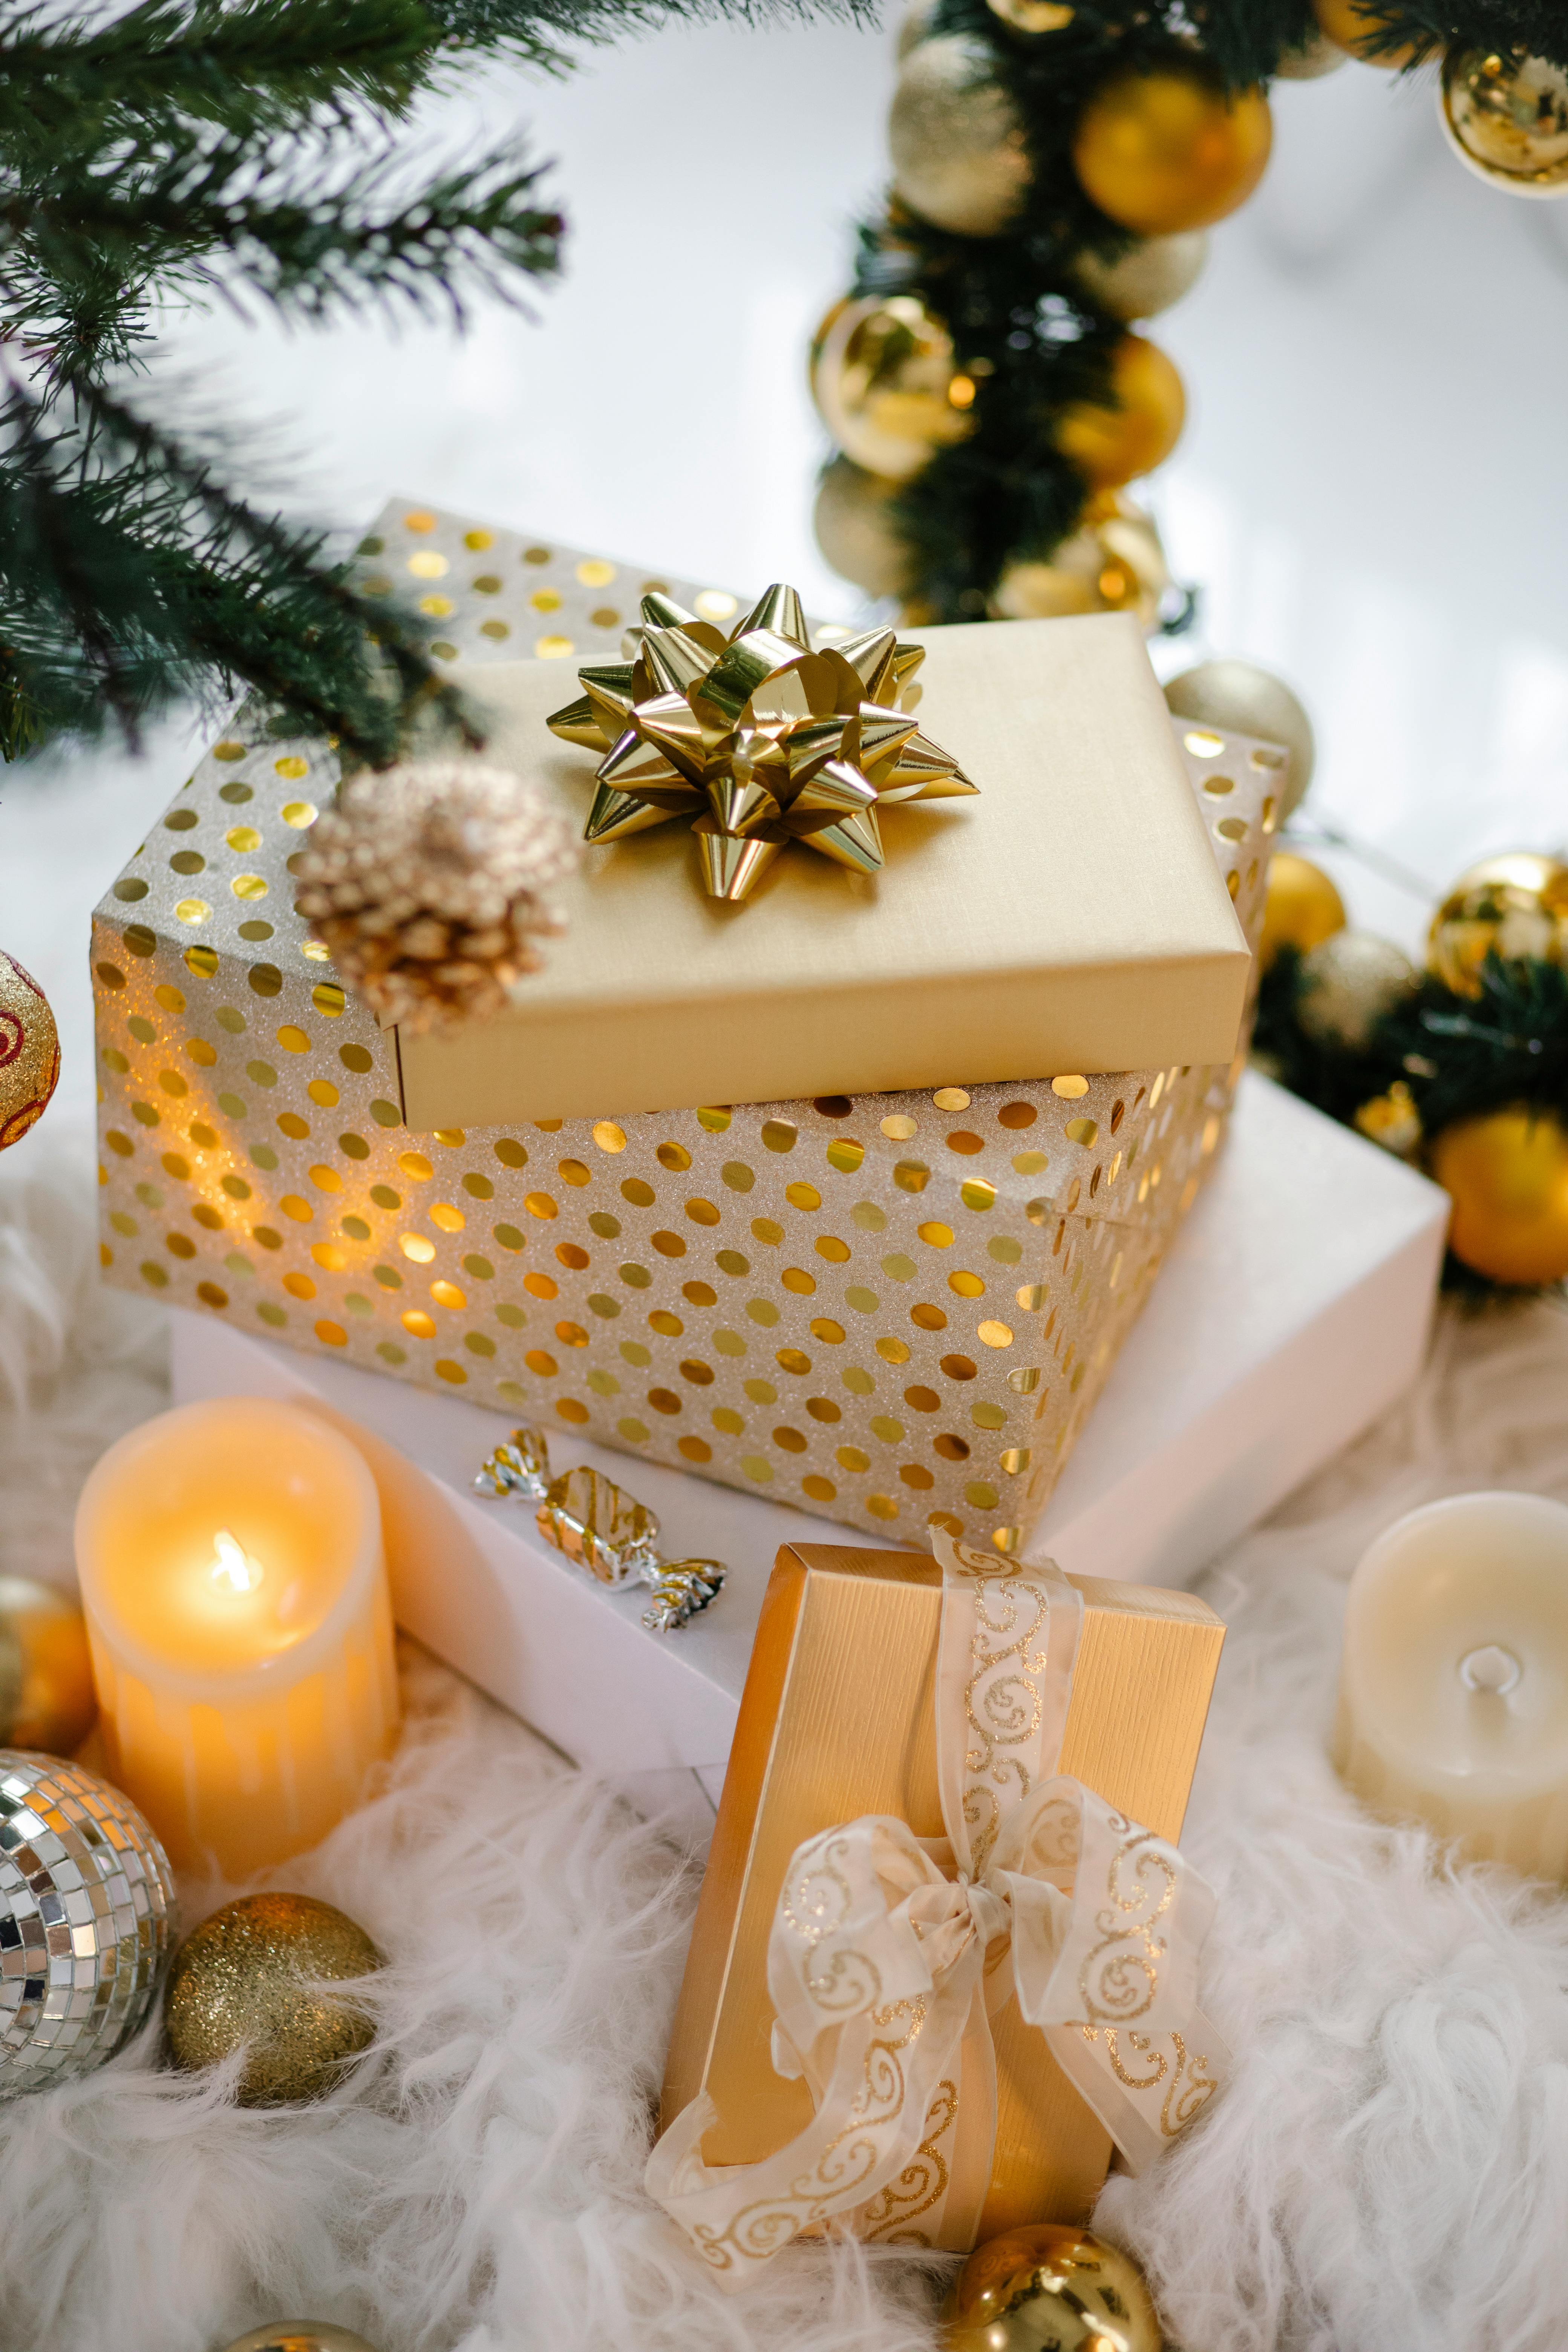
<point x="889" y="1309"/>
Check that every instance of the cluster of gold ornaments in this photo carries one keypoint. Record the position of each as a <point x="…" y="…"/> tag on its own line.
<point x="1505" y="1172"/>
<point x="757" y="740"/>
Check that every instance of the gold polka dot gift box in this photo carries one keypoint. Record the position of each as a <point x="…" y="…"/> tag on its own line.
<point x="893" y="1306"/>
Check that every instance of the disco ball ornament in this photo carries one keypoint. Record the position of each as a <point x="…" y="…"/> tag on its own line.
<point x="87" y="1920"/>
<point x="301" y="2335"/>
<point x="29" y="1052"/>
<point x="1051" y="2287"/>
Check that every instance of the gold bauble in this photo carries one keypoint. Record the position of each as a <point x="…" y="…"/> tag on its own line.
<point x="29" y="1052"/>
<point x="1148" y="277"/>
<point x="1301" y="907"/>
<point x="887" y="384"/>
<point x="1507" y="117"/>
<point x="1514" y="906"/>
<point x="248" y="1976"/>
<point x="1138" y="428"/>
<point x="855" y="532"/>
<point x="1316" y="57"/>
<point x="1393" y="1121"/>
<point x="1033" y="15"/>
<point x="1507" y="1175"/>
<point x="301" y="2335"/>
<point x="1170" y="151"/>
<point x="47" y="1698"/>
<point x="959" y="158"/>
<point x="1349" y="981"/>
<point x="1113" y="563"/>
<point x="1246" y="699"/>
<point x="1349" y="25"/>
<point x="1050" y="2288"/>
<point x="913" y="26"/>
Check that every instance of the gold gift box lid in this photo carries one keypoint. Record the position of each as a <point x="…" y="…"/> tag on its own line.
<point x="1068" y="918"/>
<point x="836" y="1720"/>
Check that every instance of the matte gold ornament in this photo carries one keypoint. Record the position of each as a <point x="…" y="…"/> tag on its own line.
<point x="252" y="1976"/>
<point x="1506" y="116"/>
<point x="1113" y="563"/>
<point x="46" y="1697"/>
<point x="301" y="2335"/>
<point x="758" y="737"/>
<point x="1348" y="982"/>
<point x="1137" y="428"/>
<point x="1149" y="277"/>
<point x="1350" y="26"/>
<point x="888" y="385"/>
<point x="1244" y="697"/>
<point x="959" y="158"/>
<point x="856" y="531"/>
<point x="914" y="26"/>
<point x="1393" y="1121"/>
<point x="1513" y="906"/>
<point x="29" y="1052"/>
<point x="1302" y="907"/>
<point x="1507" y="1175"/>
<point x="1049" y="2288"/>
<point x="1170" y="151"/>
<point x="1316" y="57"/>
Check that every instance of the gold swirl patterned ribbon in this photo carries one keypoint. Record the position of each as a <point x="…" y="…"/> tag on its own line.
<point x="890" y="1954"/>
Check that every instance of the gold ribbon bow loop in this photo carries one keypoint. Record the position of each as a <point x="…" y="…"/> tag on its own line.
<point x="884" y="1970"/>
<point x="758" y="741"/>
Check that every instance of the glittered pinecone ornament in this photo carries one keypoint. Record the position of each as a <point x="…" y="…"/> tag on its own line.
<point x="429" y="883"/>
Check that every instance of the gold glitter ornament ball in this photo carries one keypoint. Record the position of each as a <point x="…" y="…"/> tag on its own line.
<point x="1170" y="151"/>
<point x="1507" y="1175"/>
<point x="87" y="1918"/>
<point x="301" y="2335"/>
<point x="1137" y="428"/>
<point x="1507" y="117"/>
<point x="1513" y="906"/>
<point x="46" y="1697"/>
<point x="855" y="529"/>
<point x="959" y="154"/>
<point x="1148" y="277"/>
<point x="1244" y="698"/>
<point x="1349" y="981"/>
<point x="888" y="385"/>
<point x="1301" y="908"/>
<point x="1049" y="2288"/>
<point x="253" y="1975"/>
<point x="29" y="1052"/>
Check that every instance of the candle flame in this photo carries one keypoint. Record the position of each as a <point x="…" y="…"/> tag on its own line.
<point x="232" y="1566"/>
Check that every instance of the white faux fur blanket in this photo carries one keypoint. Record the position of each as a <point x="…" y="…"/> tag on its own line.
<point x="1386" y="2172"/>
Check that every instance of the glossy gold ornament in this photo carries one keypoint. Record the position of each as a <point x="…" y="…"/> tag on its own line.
<point x="1302" y="907"/>
<point x="959" y="158"/>
<point x="251" y="1975"/>
<point x="855" y="529"/>
<point x="1506" y="116"/>
<point x="1507" y="1175"/>
<point x="1350" y="27"/>
<point x="1393" y="1121"/>
<point x="1113" y="563"/>
<point x="1033" y="15"/>
<point x="300" y="2336"/>
<point x="888" y="385"/>
<point x="46" y="1697"/>
<point x="1138" y="428"/>
<point x="1171" y="150"/>
<point x="1349" y="981"/>
<point x="1148" y="277"/>
<point x="1245" y="696"/>
<point x="1511" y="906"/>
<point x="758" y="739"/>
<point x="1049" y="2288"/>
<point x="29" y="1052"/>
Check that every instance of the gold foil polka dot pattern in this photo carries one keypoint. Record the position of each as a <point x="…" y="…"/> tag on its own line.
<point x="782" y="1264"/>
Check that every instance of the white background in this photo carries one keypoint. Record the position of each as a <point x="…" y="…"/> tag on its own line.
<point x="1372" y="489"/>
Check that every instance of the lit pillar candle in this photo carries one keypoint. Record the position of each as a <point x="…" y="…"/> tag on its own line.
<point x="235" y="1589"/>
<point x="1454" y="1686"/>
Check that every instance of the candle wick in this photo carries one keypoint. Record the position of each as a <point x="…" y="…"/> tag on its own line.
<point x="232" y="1564"/>
<point x="1490" y="1668"/>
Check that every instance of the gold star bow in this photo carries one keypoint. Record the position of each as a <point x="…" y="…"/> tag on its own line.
<point x="758" y="737"/>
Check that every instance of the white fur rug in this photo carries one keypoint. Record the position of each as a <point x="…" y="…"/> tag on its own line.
<point x="1387" y="2171"/>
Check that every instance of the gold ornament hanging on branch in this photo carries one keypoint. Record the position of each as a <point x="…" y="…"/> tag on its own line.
<point x="760" y="740"/>
<point x="1507" y="1175"/>
<point x="960" y="157"/>
<point x="1136" y="428"/>
<point x="1506" y="117"/>
<point x="1351" y="26"/>
<point x="1149" y="277"/>
<point x="1113" y="563"/>
<point x="856" y="531"/>
<point x="1169" y="150"/>
<point x="887" y="383"/>
<point x="1513" y="906"/>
